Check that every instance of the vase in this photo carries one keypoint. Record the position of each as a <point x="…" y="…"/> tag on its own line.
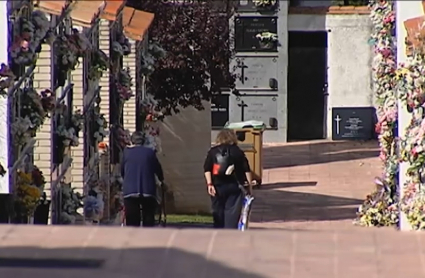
<point x="41" y="214"/>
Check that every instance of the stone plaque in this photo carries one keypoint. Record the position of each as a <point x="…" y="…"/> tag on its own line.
<point x="220" y="111"/>
<point x="246" y="30"/>
<point x="255" y="72"/>
<point x="353" y="123"/>
<point x="255" y="107"/>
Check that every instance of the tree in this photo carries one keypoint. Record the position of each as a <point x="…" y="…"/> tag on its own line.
<point x="195" y="35"/>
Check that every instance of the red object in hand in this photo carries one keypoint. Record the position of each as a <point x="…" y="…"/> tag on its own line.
<point x="216" y="169"/>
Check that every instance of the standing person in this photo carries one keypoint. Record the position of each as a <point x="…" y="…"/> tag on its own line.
<point x="139" y="167"/>
<point x="226" y="168"/>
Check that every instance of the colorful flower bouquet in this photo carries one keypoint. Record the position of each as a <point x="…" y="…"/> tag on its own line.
<point x="28" y="195"/>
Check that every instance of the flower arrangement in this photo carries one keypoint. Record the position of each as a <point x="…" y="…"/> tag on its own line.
<point x="28" y="193"/>
<point x="100" y="126"/>
<point x="264" y="3"/>
<point x="69" y="48"/>
<point x="99" y="64"/>
<point x="6" y="78"/>
<point x="31" y="107"/>
<point x="121" y="47"/>
<point x="20" y="128"/>
<point x="71" y="201"/>
<point x="379" y="207"/>
<point x="148" y="115"/>
<point x="267" y="39"/>
<point x="32" y="33"/>
<point x="48" y="101"/>
<point x="124" y="84"/>
<point x="150" y="57"/>
<point x="68" y="131"/>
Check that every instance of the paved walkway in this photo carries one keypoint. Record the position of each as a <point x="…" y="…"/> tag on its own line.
<point x="315" y="184"/>
<point x="303" y="228"/>
<point x="87" y="252"/>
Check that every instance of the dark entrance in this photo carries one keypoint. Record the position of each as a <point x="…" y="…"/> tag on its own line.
<point x="307" y="84"/>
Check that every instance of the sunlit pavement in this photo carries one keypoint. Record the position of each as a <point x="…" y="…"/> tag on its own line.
<point x="65" y="251"/>
<point x="301" y="228"/>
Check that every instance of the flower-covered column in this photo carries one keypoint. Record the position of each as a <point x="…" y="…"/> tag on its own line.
<point x="411" y="76"/>
<point x="29" y="108"/>
<point x="380" y="207"/>
<point x="96" y="62"/>
<point x="120" y="91"/>
<point x="70" y="46"/>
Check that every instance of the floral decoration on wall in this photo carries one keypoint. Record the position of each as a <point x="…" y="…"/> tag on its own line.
<point x="381" y="207"/>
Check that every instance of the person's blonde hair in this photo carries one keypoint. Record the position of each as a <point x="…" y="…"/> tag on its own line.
<point x="226" y="136"/>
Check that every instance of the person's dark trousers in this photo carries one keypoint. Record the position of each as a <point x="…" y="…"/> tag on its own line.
<point x="141" y="209"/>
<point x="227" y="206"/>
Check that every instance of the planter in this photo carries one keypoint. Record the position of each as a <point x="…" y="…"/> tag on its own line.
<point x="41" y="214"/>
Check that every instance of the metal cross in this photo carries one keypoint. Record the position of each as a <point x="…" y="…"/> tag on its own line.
<point x="242" y="105"/>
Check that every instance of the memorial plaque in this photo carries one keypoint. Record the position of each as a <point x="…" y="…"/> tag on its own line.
<point x="246" y="30"/>
<point x="255" y="72"/>
<point x="255" y="107"/>
<point x="220" y="111"/>
<point x="353" y="123"/>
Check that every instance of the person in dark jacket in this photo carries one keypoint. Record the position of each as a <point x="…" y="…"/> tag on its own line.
<point x="224" y="185"/>
<point x="139" y="169"/>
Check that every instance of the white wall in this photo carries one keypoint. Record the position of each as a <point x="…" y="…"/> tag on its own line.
<point x="349" y="57"/>
<point x="4" y="121"/>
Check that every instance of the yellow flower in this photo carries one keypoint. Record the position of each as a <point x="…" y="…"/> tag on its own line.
<point x="402" y="72"/>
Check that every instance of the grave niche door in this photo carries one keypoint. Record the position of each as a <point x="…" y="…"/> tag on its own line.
<point x="307" y="82"/>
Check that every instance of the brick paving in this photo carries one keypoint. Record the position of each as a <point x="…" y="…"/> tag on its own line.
<point x="302" y="227"/>
<point x="315" y="184"/>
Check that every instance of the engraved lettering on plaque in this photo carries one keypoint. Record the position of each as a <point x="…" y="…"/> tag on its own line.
<point x="246" y="30"/>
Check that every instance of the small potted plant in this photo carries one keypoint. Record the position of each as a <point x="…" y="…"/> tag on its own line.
<point x="267" y="40"/>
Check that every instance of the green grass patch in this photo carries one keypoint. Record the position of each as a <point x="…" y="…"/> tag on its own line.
<point x="189" y="219"/>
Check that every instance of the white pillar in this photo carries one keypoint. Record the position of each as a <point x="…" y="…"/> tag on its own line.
<point x="4" y="108"/>
<point x="404" y="10"/>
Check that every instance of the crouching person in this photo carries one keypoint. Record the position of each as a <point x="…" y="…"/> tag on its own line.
<point x="226" y="168"/>
<point x="139" y="167"/>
